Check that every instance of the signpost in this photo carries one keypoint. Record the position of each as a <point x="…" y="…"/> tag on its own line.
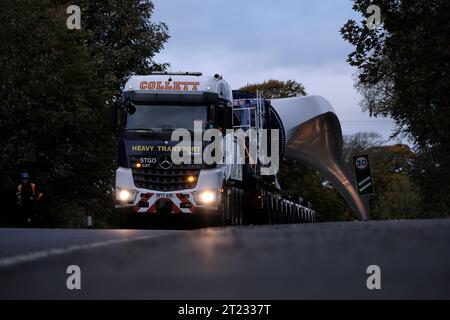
<point x="363" y="173"/>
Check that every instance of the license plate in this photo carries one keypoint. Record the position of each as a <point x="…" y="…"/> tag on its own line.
<point x="164" y="195"/>
<point x="163" y="206"/>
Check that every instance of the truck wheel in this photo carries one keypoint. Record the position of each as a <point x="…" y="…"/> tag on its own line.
<point x="125" y="220"/>
<point x="246" y="212"/>
<point x="239" y="203"/>
<point x="222" y="213"/>
<point x="273" y="217"/>
<point x="233" y="207"/>
<point x="225" y="208"/>
<point x="266" y="211"/>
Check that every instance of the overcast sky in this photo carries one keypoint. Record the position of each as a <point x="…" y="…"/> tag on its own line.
<point x="255" y="40"/>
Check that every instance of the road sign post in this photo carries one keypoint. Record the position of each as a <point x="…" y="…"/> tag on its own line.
<point x="363" y="173"/>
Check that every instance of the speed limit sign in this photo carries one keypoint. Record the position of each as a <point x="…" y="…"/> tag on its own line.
<point x="364" y="180"/>
<point x="361" y="163"/>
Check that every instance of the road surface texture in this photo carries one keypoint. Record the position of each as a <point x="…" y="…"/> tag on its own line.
<point x="313" y="261"/>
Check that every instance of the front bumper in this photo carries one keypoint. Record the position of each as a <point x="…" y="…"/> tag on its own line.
<point x="176" y="202"/>
<point x="130" y="211"/>
<point x="182" y="203"/>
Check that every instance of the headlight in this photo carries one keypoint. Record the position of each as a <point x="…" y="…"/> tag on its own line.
<point x="206" y="197"/>
<point x="125" y="195"/>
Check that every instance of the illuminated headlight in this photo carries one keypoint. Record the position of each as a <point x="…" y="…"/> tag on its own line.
<point x="125" y="195"/>
<point x="206" y="197"/>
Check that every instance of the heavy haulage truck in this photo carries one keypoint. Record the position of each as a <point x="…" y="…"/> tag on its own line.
<point x="149" y="183"/>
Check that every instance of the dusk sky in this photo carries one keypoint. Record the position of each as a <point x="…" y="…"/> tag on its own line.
<point x="253" y="41"/>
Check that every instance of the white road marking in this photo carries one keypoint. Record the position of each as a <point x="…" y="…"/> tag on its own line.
<point x="38" y="255"/>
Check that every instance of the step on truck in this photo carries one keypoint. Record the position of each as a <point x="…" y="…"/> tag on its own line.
<point x="158" y="109"/>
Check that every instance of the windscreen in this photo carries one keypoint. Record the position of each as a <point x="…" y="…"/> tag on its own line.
<point x="164" y="118"/>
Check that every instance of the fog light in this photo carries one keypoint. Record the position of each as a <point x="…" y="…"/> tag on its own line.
<point x="191" y="179"/>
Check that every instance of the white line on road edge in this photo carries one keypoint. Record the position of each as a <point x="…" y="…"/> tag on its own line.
<point x="38" y="255"/>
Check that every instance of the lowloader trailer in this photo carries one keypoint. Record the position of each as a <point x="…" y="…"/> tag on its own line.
<point x="155" y="111"/>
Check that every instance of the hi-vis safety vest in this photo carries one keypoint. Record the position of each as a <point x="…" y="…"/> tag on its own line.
<point x="33" y="188"/>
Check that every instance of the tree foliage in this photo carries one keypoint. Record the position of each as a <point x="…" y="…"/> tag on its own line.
<point x="298" y="179"/>
<point x="397" y="195"/>
<point x="273" y="89"/>
<point x="403" y="71"/>
<point x="55" y="88"/>
<point x="359" y="142"/>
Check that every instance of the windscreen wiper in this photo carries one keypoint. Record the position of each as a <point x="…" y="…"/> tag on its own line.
<point x="142" y="130"/>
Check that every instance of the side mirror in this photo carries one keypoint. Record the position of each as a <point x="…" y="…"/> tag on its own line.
<point x="114" y="111"/>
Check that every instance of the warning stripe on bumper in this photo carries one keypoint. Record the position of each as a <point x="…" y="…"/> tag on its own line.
<point x="148" y="203"/>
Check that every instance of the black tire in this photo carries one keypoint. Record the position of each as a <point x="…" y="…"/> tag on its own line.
<point x="273" y="218"/>
<point x="247" y="214"/>
<point x="222" y="211"/>
<point x="125" y="220"/>
<point x="266" y="211"/>
<point x="233" y="207"/>
<point x="240" y="199"/>
<point x="226" y="214"/>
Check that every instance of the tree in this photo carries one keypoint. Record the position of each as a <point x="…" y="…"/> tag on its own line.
<point x="397" y="195"/>
<point x="273" y="89"/>
<point x="56" y="85"/>
<point x="403" y="71"/>
<point x="298" y="179"/>
<point x="359" y="142"/>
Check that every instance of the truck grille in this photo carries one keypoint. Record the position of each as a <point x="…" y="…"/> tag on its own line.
<point x="158" y="179"/>
<point x="165" y="180"/>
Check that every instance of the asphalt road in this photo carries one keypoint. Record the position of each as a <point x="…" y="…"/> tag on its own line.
<point x="314" y="261"/>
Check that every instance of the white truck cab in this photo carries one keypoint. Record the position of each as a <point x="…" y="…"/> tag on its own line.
<point x="147" y="181"/>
